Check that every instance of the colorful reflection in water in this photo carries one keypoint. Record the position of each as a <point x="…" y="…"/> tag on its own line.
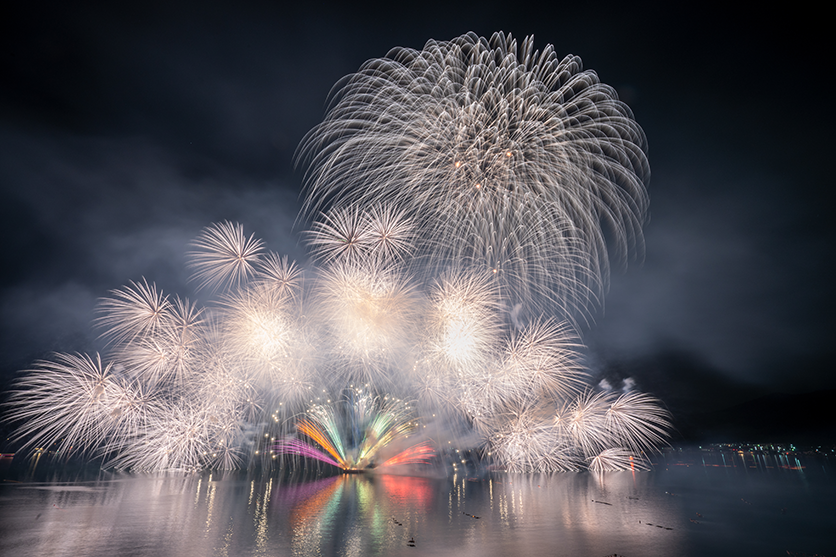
<point x="416" y="492"/>
<point x="683" y="508"/>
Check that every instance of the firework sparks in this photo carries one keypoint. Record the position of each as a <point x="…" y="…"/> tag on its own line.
<point x="460" y="197"/>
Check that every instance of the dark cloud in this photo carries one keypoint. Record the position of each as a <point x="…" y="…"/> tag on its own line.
<point x="730" y="276"/>
<point x="126" y="129"/>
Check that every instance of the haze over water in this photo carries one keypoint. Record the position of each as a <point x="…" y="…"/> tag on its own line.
<point x="697" y="504"/>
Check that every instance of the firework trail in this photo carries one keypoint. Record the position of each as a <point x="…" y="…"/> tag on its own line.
<point x="460" y="197"/>
<point x="503" y="156"/>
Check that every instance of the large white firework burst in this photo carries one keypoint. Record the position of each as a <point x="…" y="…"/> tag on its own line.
<point x="509" y="158"/>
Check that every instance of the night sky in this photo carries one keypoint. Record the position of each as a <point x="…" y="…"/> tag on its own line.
<point x="125" y="130"/>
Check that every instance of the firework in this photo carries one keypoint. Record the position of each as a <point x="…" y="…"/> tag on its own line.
<point x="360" y="432"/>
<point x="170" y="350"/>
<point x="462" y="326"/>
<point x="132" y="312"/>
<point x="525" y="440"/>
<point x="583" y="420"/>
<point x="339" y="235"/>
<point x="259" y="327"/>
<point x="543" y="359"/>
<point x="390" y="233"/>
<point x="224" y="255"/>
<point x="283" y="278"/>
<point x="638" y="421"/>
<point x="611" y="460"/>
<point x="505" y="157"/>
<point x="176" y="439"/>
<point x="459" y="197"/>
<point x="348" y="234"/>
<point x="370" y="311"/>
<point x="73" y="404"/>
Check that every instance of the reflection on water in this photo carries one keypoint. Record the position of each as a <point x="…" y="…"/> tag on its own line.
<point x="724" y="506"/>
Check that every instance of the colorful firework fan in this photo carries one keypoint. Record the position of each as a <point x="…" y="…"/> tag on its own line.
<point x="360" y="432"/>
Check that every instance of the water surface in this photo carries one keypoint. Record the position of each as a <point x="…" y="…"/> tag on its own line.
<point x="697" y="505"/>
